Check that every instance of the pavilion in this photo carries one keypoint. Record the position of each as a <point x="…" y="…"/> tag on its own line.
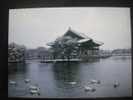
<point x="88" y="47"/>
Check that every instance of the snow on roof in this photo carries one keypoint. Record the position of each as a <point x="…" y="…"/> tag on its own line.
<point x="79" y="34"/>
<point x="50" y="43"/>
<point x="83" y="40"/>
<point x="86" y="38"/>
<point x="98" y="42"/>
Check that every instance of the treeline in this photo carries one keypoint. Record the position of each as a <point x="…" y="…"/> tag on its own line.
<point x="62" y="48"/>
<point x="38" y="53"/>
<point x="19" y="53"/>
<point x="122" y="52"/>
<point x="16" y="53"/>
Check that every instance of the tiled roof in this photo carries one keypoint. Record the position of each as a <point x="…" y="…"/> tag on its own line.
<point x="83" y="40"/>
<point x="86" y="38"/>
<point x="79" y="34"/>
<point x="98" y="42"/>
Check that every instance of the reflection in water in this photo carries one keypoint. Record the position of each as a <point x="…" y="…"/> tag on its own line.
<point x="93" y="60"/>
<point x="65" y="73"/>
<point x="14" y="68"/>
<point x="54" y="79"/>
<point x="121" y="58"/>
<point x="68" y="71"/>
<point x="16" y="72"/>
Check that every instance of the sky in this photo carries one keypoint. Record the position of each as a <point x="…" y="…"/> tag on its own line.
<point x="35" y="27"/>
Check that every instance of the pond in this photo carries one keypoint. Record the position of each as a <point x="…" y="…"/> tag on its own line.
<point x="68" y="79"/>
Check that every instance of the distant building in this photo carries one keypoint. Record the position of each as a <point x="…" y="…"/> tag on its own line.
<point x="38" y="53"/>
<point x="121" y="52"/>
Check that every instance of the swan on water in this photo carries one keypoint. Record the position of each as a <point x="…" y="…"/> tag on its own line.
<point x="116" y="84"/>
<point x="87" y="88"/>
<point x="12" y="82"/>
<point x="27" y="80"/>
<point x="35" y="92"/>
<point x="94" y="82"/>
<point x="34" y="89"/>
<point x="73" y="83"/>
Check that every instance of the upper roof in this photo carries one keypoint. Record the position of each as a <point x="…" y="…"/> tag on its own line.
<point x="83" y="40"/>
<point x="78" y="34"/>
<point x="82" y="37"/>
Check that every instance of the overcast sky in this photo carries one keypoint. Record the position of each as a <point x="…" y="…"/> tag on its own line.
<point x="37" y="26"/>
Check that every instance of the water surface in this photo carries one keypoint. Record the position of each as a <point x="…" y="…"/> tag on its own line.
<point x="54" y="78"/>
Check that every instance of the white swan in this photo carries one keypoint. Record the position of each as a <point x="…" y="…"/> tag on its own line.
<point x="35" y="92"/>
<point x="73" y="83"/>
<point x="94" y="82"/>
<point x="87" y="88"/>
<point x="116" y="84"/>
<point x="27" y="80"/>
<point x="34" y="89"/>
<point x="12" y="82"/>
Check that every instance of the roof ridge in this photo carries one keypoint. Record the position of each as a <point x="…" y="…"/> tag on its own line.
<point x="98" y="42"/>
<point x="79" y="33"/>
